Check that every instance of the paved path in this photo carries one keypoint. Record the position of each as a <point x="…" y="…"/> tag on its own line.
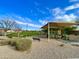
<point x="41" y="50"/>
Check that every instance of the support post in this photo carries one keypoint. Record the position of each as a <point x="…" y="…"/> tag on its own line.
<point x="48" y="31"/>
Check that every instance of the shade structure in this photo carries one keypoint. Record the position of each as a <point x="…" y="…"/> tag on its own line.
<point x="59" y="24"/>
<point x="56" y="25"/>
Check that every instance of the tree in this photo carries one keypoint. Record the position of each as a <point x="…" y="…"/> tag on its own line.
<point x="8" y="24"/>
<point x="68" y="29"/>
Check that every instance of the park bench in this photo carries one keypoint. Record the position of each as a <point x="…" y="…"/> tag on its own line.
<point x="36" y="38"/>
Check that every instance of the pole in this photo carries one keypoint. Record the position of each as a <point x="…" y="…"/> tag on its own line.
<point x="18" y="32"/>
<point x="48" y="31"/>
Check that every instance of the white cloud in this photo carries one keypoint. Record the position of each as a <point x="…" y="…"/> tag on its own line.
<point x="24" y="18"/>
<point x="57" y="11"/>
<point x="73" y="0"/>
<point x="43" y="22"/>
<point x="41" y="11"/>
<point x="19" y="22"/>
<point x="28" y="19"/>
<point x="34" y="25"/>
<point x="28" y="24"/>
<point x="75" y="6"/>
<point x="59" y="15"/>
<point x="25" y="21"/>
<point x="66" y="18"/>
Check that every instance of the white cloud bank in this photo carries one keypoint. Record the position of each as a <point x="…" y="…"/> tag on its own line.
<point x="61" y="16"/>
<point x="66" y="18"/>
<point x="43" y="22"/>
<point x="21" y="20"/>
<point x="75" y="6"/>
<point x="25" y="21"/>
<point x="57" y="11"/>
<point x="28" y="24"/>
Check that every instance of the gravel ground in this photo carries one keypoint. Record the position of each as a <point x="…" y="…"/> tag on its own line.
<point x="42" y="50"/>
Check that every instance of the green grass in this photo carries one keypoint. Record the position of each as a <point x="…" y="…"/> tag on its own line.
<point x="23" y="34"/>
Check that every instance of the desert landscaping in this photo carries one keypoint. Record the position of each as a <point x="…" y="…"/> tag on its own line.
<point x="51" y="49"/>
<point x="39" y="29"/>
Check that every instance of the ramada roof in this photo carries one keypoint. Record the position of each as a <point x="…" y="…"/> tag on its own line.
<point x="59" y="24"/>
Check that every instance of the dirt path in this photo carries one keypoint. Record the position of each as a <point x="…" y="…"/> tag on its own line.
<point x="41" y="50"/>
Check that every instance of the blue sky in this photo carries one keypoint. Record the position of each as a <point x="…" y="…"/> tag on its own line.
<point x="32" y="14"/>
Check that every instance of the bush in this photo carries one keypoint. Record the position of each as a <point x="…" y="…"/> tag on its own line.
<point x="12" y="35"/>
<point x="12" y="42"/>
<point x="19" y="44"/>
<point x="61" y="45"/>
<point x="23" y="44"/>
<point x="23" y="34"/>
<point x="9" y="36"/>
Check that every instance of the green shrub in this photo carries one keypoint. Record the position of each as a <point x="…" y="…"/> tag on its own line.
<point x="23" y="34"/>
<point x="10" y="35"/>
<point x="19" y="44"/>
<point x="61" y="45"/>
<point x="23" y="44"/>
<point x="12" y="42"/>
